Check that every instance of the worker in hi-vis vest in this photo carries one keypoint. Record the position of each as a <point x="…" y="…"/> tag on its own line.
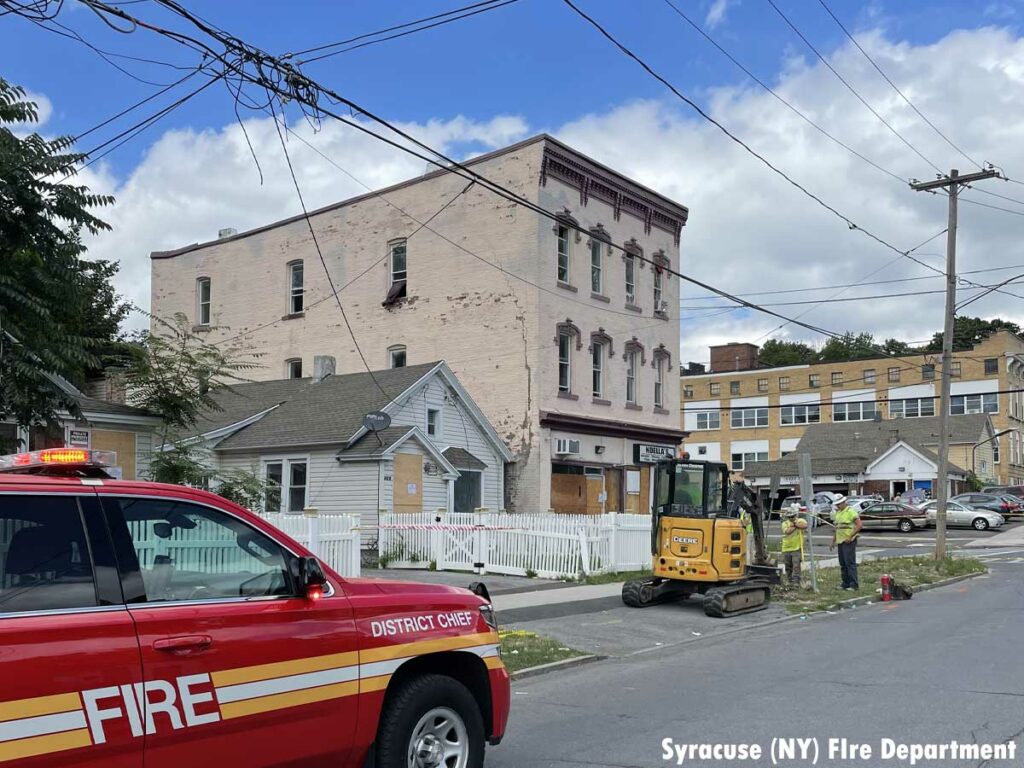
<point x="793" y="527"/>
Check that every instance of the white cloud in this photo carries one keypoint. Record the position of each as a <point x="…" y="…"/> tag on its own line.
<point x="716" y="13"/>
<point x="748" y="231"/>
<point x="190" y="184"/>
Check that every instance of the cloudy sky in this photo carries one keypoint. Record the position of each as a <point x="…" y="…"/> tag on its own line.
<point x="534" y="66"/>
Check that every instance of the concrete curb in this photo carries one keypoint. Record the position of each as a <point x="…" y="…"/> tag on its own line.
<point x="555" y="666"/>
<point x="870" y="599"/>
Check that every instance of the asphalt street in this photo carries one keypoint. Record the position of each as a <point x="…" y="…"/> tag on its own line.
<point x="939" y="667"/>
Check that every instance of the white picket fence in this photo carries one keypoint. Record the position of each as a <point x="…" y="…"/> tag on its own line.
<point x="548" y="545"/>
<point x="332" y="538"/>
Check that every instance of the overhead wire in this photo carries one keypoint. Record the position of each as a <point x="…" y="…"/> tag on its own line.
<point x="288" y="83"/>
<point x="850" y="88"/>
<point x="895" y="87"/>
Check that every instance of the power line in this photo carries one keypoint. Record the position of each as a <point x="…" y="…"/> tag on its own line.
<point x="858" y="284"/>
<point x="1014" y="281"/>
<point x="823" y="403"/>
<point x="894" y="87"/>
<point x="323" y="261"/>
<point x="282" y="80"/>
<point x="775" y="93"/>
<point x="850" y="88"/>
<point x="490" y="5"/>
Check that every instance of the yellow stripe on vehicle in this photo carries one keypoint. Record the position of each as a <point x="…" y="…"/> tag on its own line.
<point x="41" y="745"/>
<point x="42" y="705"/>
<point x="371" y="684"/>
<point x="428" y="646"/>
<point x="283" y="668"/>
<point x="494" y="662"/>
<point x="285" y="700"/>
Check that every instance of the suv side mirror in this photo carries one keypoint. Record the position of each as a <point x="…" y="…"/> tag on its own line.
<point x="311" y="577"/>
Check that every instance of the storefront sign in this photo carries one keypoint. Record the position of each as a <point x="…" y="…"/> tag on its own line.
<point x="645" y="453"/>
<point x="78" y="438"/>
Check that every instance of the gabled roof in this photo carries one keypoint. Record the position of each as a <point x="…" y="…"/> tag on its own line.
<point x="460" y="458"/>
<point x="849" y="447"/>
<point x="391" y="439"/>
<point x="327" y="412"/>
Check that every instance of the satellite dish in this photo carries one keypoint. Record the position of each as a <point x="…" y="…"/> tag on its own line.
<point x="375" y="421"/>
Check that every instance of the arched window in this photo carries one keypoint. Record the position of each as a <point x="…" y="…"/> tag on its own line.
<point x="396" y="356"/>
<point x="564" y="335"/>
<point x="599" y="244"/>
<point x="662" y="362"/>
<point x="661" y="267"/>
<point x="203" y="292"/>
<point x="296" y="287"/>
<point x="566" y="231"/>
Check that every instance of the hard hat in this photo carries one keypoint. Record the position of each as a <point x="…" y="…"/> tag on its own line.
<point x="790" y="512"/>
<point x="840" y="499"/>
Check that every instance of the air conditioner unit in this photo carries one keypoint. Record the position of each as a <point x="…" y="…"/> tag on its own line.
<point x="565" y="447"/>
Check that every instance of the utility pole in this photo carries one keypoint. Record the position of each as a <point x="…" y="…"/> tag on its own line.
<point x="952" y="184"/>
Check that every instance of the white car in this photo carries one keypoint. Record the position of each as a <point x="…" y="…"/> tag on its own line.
<point x="961" y="515"/>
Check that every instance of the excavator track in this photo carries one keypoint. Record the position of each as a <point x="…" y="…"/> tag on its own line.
<point x="722" y="602"/>
<point x="640" y="593"/>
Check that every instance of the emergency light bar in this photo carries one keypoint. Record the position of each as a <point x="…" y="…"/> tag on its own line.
<point x="57" y="457"/>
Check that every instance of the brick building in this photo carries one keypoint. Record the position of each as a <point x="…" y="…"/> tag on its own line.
<point x="566" y="343"/>
<point x="746" y="414"/>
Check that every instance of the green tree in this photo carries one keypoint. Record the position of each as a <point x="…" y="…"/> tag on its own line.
<point x="58" y="312"/>
<point x="897" y="347"/>
<point x="849" y="346"/>
<point x="175" y="374"/>
<point x="776" y="352"/>
<point x="968" y="331"/>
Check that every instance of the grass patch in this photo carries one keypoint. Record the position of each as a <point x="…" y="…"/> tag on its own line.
<point x="912" y="571"/>
<point x="521" y="649"/>
<point x="612" y="578"/>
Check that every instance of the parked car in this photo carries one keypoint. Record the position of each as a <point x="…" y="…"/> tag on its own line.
<point x="892" y="514"/>
<point x="1016" y="505"/>
<point x="1012" y="490"/>
<point x="962" y="515"/>
<point x="821" y="503"/>
<point x="989" y="501"/>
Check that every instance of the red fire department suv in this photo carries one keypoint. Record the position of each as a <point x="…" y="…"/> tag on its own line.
<point x="148" y="624"/>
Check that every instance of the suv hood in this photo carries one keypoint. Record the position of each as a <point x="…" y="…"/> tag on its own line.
<point x="362" y="586"/>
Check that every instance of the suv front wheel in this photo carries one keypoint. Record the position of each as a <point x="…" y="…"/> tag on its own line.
<point x="431" y="721"/>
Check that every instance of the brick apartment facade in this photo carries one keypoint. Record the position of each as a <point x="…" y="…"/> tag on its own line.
<point x="742" y="415"/>
<point x="558" y="338"/>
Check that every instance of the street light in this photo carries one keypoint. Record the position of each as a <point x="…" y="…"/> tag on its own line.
<point x="975" y="448"/>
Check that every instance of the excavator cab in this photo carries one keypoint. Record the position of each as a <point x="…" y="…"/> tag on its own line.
<point x="699" y="542"/>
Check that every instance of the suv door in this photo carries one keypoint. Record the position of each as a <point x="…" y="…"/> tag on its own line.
<point x="69" y="650"/>
<point x="239" y="669"/>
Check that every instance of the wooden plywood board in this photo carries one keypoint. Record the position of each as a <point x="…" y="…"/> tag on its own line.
<point x="123" y="443"/>
<point x="613" y="484"/>
<point x="408" y="480"/>
<point x="568" y="494"/>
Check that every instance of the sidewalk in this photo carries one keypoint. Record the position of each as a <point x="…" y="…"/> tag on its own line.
<point x="1012" y="538"/>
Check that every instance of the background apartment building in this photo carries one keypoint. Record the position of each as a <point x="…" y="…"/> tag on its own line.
<point x="566" y="342"/>
<point x="741" y="413"/>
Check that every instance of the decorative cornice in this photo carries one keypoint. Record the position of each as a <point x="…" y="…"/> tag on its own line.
<point x="634" y="345"/>
<point x="572" y="329"/>
<point x="601" y="336"/>
<point x="594" y="182"/>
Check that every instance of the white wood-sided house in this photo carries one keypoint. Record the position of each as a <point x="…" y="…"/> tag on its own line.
<point x="306" y="438"/>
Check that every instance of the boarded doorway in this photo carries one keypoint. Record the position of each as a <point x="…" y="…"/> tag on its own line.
<point x="568" y="489"/>
<point x="408" y="482"/>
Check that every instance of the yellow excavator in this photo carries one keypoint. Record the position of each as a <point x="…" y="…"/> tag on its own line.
<point x="699" y="542"/>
